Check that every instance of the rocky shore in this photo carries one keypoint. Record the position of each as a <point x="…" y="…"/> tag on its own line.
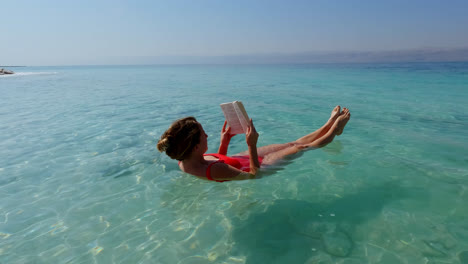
<point x="3" y="72"/>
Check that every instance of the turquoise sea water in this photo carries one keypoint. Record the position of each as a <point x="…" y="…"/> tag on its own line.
<point x="82" y="182"/>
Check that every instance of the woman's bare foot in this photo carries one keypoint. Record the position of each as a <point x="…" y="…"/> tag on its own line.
<point x="342" y="121"/>
<point x="335" y="113"/>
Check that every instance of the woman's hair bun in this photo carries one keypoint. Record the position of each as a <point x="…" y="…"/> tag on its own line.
<point x="163" y="144"/>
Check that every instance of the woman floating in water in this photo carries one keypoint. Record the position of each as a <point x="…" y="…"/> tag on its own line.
<point x="186" y="141"/>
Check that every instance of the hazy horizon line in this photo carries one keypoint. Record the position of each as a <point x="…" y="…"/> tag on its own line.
<point x="383" y="56"/>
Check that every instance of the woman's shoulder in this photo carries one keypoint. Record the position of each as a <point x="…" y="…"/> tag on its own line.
<point x="199" y="171"/>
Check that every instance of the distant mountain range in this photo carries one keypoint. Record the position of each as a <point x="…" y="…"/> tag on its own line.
<point x="420" y="55"/>
<point x="415" y="55"/>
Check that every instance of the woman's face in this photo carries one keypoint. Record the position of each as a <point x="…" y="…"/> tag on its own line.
<point x="203" y="139"/>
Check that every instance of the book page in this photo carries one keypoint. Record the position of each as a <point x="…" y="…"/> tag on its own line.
<point x="235" y="115"/>
<point x="242" y="115"/>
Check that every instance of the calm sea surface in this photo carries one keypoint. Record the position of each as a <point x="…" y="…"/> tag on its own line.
<point x="81" y="180"/>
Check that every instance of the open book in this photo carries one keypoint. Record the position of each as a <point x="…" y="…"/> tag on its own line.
<point x="236" y="117"/>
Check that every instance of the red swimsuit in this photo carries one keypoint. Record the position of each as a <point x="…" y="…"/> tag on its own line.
<point x="239" y="162"/>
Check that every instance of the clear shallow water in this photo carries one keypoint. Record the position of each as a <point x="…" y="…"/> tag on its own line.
<point x="82" y="182"/>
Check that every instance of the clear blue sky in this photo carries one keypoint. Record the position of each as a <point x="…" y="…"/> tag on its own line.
<point x="53" y="32"/>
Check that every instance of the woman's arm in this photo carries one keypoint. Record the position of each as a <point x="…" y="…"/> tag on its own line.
<point x="225" y="139"/>
<point x="251" y="138"/>
<point x="225" y="172"/>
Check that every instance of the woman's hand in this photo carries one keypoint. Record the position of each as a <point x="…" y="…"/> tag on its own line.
<point x="251" y="136"/>
<point x="226" y="133"/>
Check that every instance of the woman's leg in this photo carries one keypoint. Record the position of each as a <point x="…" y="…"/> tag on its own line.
<point x="265" y="150"/>
<point x="337" y="128"/>
<point x="323" y="130"/>
<point x="322" y="141"/>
